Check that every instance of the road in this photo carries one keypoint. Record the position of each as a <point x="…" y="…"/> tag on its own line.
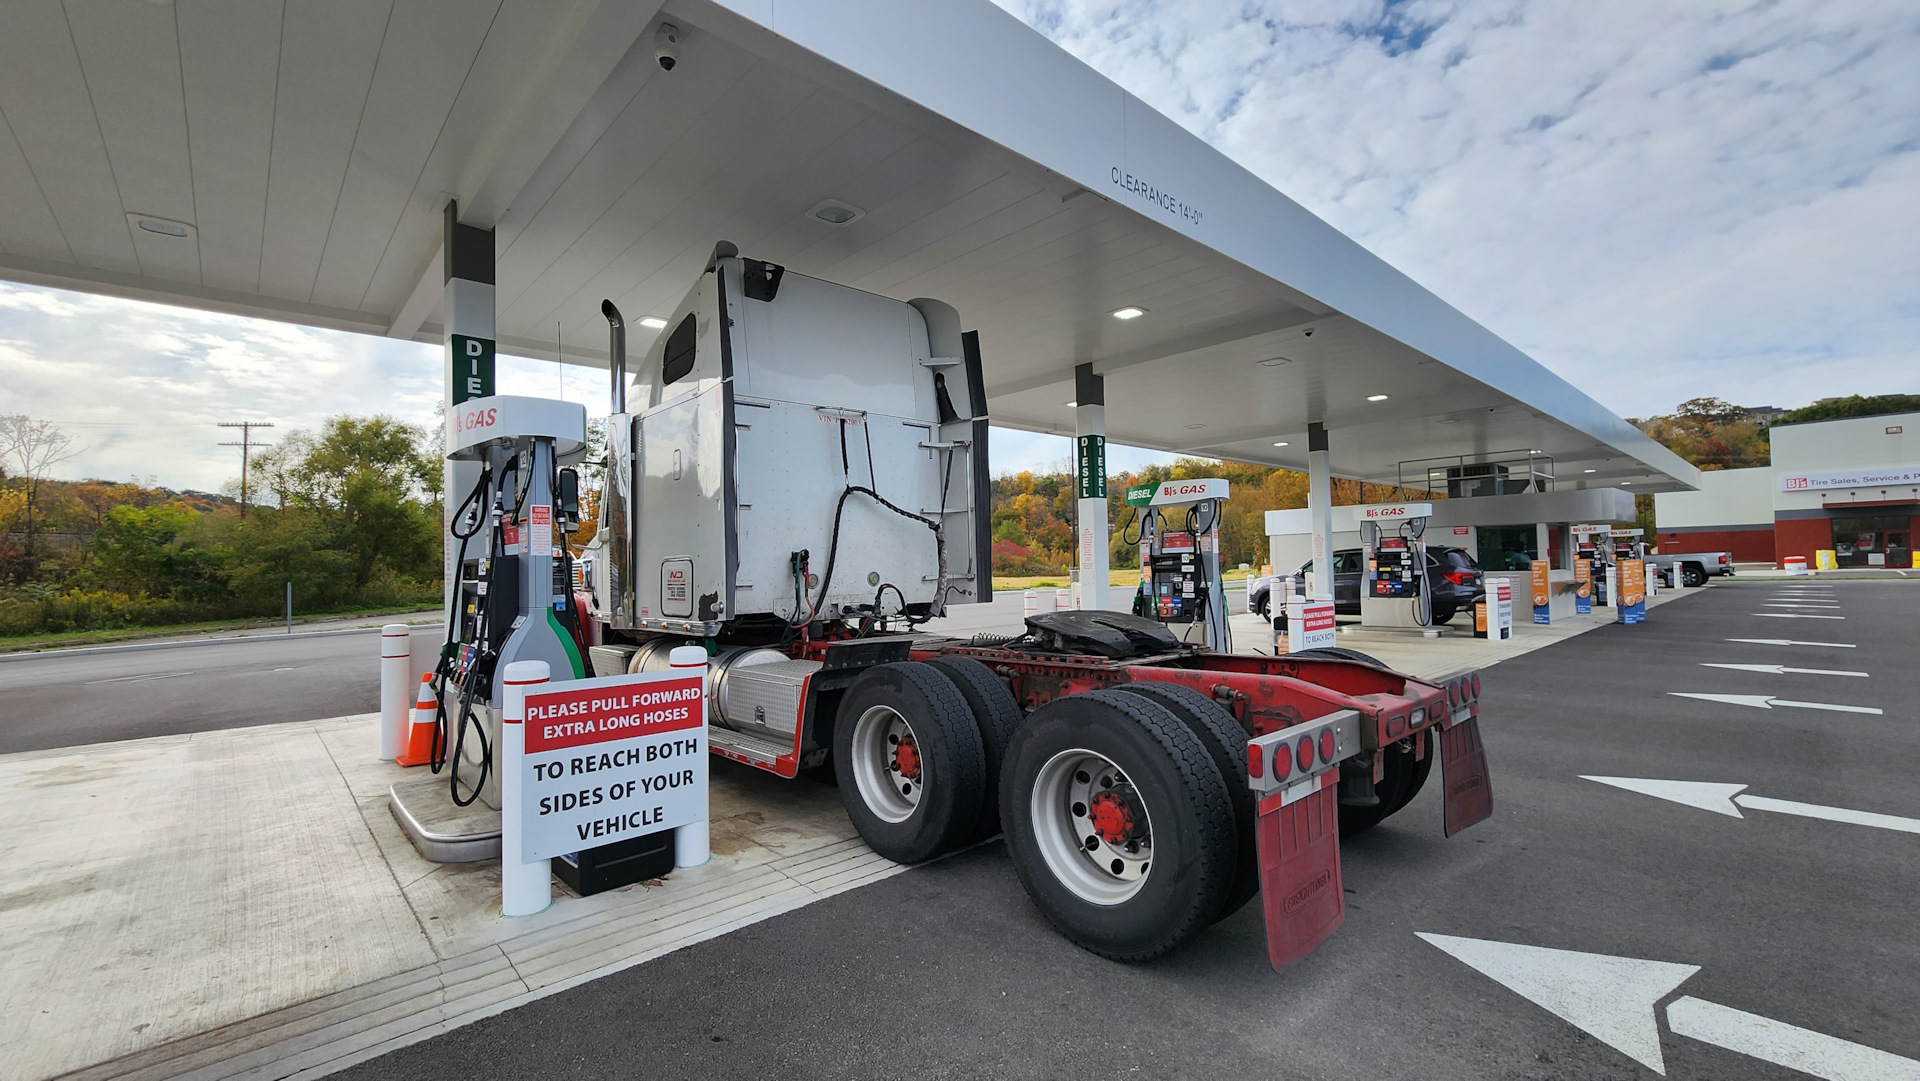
<point x="947" y="971"/>
<point x="67" y="700"/>
<point x="56" y="700"/>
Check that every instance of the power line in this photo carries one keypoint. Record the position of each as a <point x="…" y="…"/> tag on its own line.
<point x="246" y="450"/>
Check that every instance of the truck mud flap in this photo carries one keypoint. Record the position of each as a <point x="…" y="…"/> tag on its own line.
<point x="1298" y="835"/>
<point x="1463" y="770"/>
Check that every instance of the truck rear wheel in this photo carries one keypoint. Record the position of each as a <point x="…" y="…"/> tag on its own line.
<point x="1693" y="575"/>
<point x="1118" y="823"/>
<point x="908" y="757"/>
<point x="1226" y="741"/>
<point x="997" y="715"/>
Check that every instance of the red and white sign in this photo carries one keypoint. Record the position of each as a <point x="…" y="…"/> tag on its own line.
<point x="540" y="530"/>
<point x="1462" y="530"/>
<point x="1309" y="625"/>
<point x="1189" y="491"/>
<point x="1855" y="478"/>
<point x="1396" y="512"/>
<point x="613" y="758"/>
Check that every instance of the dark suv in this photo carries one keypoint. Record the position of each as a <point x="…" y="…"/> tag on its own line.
<point x="1455" y="583"/>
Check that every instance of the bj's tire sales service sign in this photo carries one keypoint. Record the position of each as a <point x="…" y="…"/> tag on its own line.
<point x="613" y="758"/>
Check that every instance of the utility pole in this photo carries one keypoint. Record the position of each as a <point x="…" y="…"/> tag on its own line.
<point x="246" y="453"/>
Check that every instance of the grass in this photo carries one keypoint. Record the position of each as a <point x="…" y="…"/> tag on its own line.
<point x="66" y="639"/>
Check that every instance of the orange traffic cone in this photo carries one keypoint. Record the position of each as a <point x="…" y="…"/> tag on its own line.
<point x="419" y="750"/>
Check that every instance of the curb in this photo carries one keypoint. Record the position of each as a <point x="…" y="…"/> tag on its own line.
<point x="129" y="647"/>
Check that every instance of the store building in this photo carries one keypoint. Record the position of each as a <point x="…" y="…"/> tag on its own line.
<point x="1849" y="486"/>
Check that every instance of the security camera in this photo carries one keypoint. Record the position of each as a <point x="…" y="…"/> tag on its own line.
<point x="666" y="46"/>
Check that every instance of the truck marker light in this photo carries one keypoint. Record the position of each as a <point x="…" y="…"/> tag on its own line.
<point x="1396" y="724"/>
<point x="1306" y="755"/>
<point x="1256" y="761"/>
<point x="1326" y="745"/>
<point x="1282" y="762"/>
<point x="1476" y="685"/>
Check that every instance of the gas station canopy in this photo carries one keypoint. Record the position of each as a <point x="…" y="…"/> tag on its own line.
<point x="292" y="162"/>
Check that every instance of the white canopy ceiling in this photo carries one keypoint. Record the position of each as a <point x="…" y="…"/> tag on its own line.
<point x="306" y="148"/>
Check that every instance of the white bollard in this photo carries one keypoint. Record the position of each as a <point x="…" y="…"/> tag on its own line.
<point x="1032" y="603"/>
<point x="525" y="887"/>
<point x="1678" y="575"/>
<point x="1063" y="600"/>
<point x="690" y="842"/>
<point x="396" y="689"/>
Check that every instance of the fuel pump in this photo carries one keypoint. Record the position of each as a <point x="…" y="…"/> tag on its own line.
<point x="1395" y="590"/>
<point x="513" y="598"/>
<point x="1180" y="561"/>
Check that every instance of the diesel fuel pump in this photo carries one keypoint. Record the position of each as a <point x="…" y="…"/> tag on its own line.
<point x="1180" y="560"/>
<point x="512" y="600"/>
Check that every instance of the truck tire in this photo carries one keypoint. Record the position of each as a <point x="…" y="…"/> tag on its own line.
<point x="996" y="714"/>
<point x="1693" y="575"/>
<point x="908" y="757"/>
<point x="1226" y="742"/>
<point x="1418" y="778"/>
<point x="1118" y="823"/>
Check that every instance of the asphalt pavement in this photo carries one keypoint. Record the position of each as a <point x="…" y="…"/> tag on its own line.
<point x="97" y="696"/>
<point x="947" y="971"/>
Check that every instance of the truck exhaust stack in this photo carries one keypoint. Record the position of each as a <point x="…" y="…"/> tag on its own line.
<point x="616" y="353"/>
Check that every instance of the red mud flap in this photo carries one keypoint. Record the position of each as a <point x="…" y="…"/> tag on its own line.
<point x="1299" y="844"/>
<point x="1296" y="774"/>
<point x="1463" y="769"/>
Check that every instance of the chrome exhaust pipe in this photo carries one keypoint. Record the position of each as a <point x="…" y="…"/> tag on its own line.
<point x="616" y="353"/>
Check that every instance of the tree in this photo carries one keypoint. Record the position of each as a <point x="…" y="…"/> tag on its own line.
<point x="28" y="449"/>
<point x="1854" y="406"/>
<point x="368" y="487"/>
<point x="1711" y="434"/>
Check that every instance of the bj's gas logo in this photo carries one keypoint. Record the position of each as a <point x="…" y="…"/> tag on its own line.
<point x="1183" y="489"/>
<point x="1306" y="893"/>
<point x="476" y="418"/>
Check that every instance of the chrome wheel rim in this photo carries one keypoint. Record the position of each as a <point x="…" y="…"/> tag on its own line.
<point x="887" y="767"/>
<point x="1092" y="827"/>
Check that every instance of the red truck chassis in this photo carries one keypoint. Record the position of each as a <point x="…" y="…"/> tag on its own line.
<point x="1303" y="717"/>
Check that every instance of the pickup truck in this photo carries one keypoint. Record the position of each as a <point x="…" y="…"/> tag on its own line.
<point x="1694" y="566"/>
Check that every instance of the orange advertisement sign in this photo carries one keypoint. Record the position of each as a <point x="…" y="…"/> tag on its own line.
<point x="1582" y="578"/>
<point x="1540" y="589"/>
<point x="1633" y="582"/>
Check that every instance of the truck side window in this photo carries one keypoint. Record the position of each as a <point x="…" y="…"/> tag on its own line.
<point x="677" y="360"/>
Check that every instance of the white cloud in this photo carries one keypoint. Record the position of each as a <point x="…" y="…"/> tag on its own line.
<point x="1655" y="200"/>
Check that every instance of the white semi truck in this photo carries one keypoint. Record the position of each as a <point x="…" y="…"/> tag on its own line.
<point x="798" y="482"/>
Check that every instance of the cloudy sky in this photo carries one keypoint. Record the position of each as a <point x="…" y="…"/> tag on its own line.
<point x="1655" y="200"/>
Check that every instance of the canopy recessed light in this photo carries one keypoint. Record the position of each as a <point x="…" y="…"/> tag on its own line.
<point x="1280" y="444"/>
<point x="1129" y="312"/>
<point x="1073" y="405"/>
<point x="1276" y="362"/>
<point x="1627" y="482"/>
<point x="1376" y="397"/>
<point x="1448" y="420"/>
<point x="161" y="226"/>
<point x="1195" y="427"/>
<point x="652" y="322"/>
<point x="1593" y="471"/>
<point x="834" y="212"/>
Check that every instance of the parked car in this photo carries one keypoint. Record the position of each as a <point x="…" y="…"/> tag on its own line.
<point x="1456" y="583"/>
<point x="1695" y="567"/>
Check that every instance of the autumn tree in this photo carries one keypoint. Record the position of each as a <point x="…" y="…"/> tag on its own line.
<point x="29" y="448"/>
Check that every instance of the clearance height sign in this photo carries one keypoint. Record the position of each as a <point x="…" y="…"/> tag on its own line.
<point x="613" y="758"/>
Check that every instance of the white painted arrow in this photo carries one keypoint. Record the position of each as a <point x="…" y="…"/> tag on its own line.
<point x="1727" y="799"/>
<point x="1764" y="701"/>
<point x="1781" y="669"/>
<point x="1614" y="1000"/>
<point x="1794" y="615"/>
<point x="1792" y="642"/>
